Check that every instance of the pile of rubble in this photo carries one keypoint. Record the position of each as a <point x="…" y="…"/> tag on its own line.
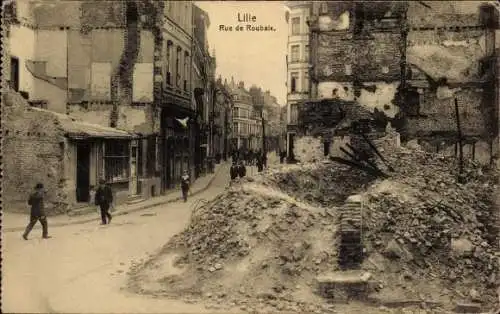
<point x="261" y="244"/>
<point x="257" y="242"/>
<point x="326" y="185"/>
<point x="434" y="226"/>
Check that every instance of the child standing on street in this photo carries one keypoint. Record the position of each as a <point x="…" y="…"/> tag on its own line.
<point x="185" y="182"/>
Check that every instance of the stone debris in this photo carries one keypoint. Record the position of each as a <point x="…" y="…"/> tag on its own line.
<point x="270" y="236"/>
<point x="424" y="218"/>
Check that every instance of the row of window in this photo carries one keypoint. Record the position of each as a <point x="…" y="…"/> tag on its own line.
<point x="246" y="114"/>
<point x="295" y="53"/>
<point x="177" y="66"/>
<point x="299" y="84"/>
<point x="241" y="128"/>
<point x="246" y="99"/>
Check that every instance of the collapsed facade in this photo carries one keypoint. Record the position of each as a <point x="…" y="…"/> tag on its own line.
<point x="408" y="62"/>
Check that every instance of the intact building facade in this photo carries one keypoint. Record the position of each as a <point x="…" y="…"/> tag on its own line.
<point x="178" y="115"/>
<point x="298" y="51"/>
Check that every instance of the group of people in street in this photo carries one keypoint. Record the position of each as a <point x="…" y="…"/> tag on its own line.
<point x="102" y="197"/>
<point x="241" y="159"/>
<point x="250" y="157"/>
<point x="238" y="169"/>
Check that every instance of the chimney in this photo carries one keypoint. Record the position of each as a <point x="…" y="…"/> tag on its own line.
<point x="225" y="82"/>
<point x="232" y="80"/>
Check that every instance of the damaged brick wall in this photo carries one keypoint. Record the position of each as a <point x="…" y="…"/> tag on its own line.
<point x="362" y="63"/>
<point x="438" y="113"/>
<point x="130" y="59"/>
<point x="33" y="147"/>
<point x="456" y="55"/>
<point x="340" y="58"/>
<point x="144" y="119"/>
<point x="308" y="149"/>
<point x="453" y="62"/>
<point x="371" y="95"/>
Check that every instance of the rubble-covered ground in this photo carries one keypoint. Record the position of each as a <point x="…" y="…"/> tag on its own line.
<point x="261" y="244"/>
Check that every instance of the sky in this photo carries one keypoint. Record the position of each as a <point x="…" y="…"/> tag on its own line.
<point x="255" y="57"/>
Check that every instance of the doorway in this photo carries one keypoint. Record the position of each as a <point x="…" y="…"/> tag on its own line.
<point x="14" y="73"/>
<point x="82" y="172"/>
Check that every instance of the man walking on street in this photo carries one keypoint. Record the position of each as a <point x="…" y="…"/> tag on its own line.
<point x="37" y="212"/>
<point x="260" y="163"/>
<point x="185" y="185"/>
<point x="104" y="199"/>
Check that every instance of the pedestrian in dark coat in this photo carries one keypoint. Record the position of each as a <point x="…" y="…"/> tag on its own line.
<point x="242" y="170"/>
<point x="104" y="199"/>
<point x="282" y="157"/>
<point x="185" y="183"/>
<point x="260" y="165"/>
<point x="234" y="171"/>
<point x="37" y="212"/>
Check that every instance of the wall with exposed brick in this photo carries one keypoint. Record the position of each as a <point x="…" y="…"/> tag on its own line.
<point x="139" y="119"/>
<point x="439" y="113"/>
<point x="451" y="54"/>
<point x="371" y="95"/>
<point x="308" y="149"/>
<point x="34" y="142"/>
<point x="454" y="54"/>
<point x="341" y="58"/>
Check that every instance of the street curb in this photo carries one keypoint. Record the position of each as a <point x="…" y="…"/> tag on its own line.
<point x="124" y="212"/>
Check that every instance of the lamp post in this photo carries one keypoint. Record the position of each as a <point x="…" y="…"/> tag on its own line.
<point x="260" y="107"/>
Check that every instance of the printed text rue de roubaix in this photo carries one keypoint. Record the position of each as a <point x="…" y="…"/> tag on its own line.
<point x="249" y="20"/>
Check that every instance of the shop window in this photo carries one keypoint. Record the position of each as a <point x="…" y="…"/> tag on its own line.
<point x="116" y="161"/>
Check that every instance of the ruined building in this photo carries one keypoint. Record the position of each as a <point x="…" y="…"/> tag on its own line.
<point x="407" y="62"/>
<point x="452" y="54"/>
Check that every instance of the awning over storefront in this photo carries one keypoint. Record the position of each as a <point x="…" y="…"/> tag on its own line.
<point x="77" y="129"/>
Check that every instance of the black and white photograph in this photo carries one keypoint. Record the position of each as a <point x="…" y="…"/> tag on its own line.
<point x="322" y="157"/>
